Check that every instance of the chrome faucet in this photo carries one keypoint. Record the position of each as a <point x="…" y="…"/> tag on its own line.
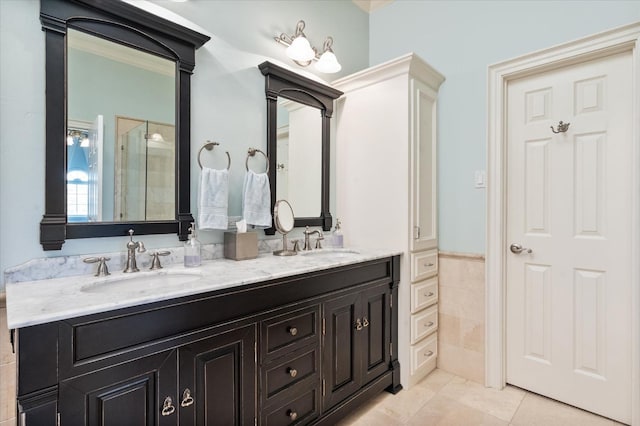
<point x="307" y="233"/>
<point x="132" y="246"/>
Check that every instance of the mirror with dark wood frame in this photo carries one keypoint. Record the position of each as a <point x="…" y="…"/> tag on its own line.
<point x="137" y="32"/>
<point x="282" y="84"/>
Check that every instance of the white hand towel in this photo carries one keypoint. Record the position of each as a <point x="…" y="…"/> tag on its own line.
<point x="256" y="199"/>
<point x="214" y="199"/>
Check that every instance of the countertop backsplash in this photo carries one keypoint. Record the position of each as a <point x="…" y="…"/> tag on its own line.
<point x="72" y="265"/>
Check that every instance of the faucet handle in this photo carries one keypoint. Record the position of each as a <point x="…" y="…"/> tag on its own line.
<point x="155" y="259"/>
<point x="319" y="241"/>
<point x="296" y="245"/>
<point x="102" y="270"/>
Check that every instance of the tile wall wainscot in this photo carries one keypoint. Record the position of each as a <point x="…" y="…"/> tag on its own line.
<point x="7" y="371"/>
<point x="461" y="314"/>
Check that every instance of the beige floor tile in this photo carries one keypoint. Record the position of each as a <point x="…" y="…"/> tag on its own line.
<point x="10" y="422"/>
<point x="406" y="403"/>
<point x="352" y="418"/>
<point x="7" y="391"/>
<point x="499" y="403"/>
<point x="537" y="410"/>
<point x="436" y="380"/>
<point x="444" y="411"/>
<point x="6" y="354"/>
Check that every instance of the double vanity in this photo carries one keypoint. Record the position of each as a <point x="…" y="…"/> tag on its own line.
<point x="271" y="341"/>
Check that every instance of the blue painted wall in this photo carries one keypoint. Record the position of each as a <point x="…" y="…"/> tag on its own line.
<point x="461" y="39"/>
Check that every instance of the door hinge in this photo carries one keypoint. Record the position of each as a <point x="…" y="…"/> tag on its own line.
<point x="390" y="302"/>
<point x="58" y="419"/>
<point x="255" y="352"/>
<point x="324" y="326"/>
<point x="324" y="387"/>
<point x="416" y="232"/>
<point x="390" y="349"/>
<point x="255" y="421"/>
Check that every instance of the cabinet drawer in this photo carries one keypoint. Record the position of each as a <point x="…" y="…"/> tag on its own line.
<point x="287" y="373"/>
<point x="285" y="333"/>
<point x="424" y="294"/>
<point x="423" y="355"/>
<point x="299" y="409"/>
<point x="424" y="323"/>
<point x="424" y="265"/>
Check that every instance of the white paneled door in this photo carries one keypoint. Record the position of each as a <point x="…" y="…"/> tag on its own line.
<point x="569" y="230"/>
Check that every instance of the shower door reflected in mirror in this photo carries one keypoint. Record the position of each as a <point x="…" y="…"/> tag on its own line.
<point x="144" y="173"/>
<point x="299" y="157"/>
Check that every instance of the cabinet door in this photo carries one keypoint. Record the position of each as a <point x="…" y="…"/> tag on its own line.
<point x="218" y="379"/>
<point x="342" y="348"/>
<point x="423" y="167"/>
<point x="376" y="332"/>
<point x="134" y="393"/>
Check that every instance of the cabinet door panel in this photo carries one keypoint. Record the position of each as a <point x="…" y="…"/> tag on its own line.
<point x="377" y="332"/>
<point x="128" y="394"/>
<point x="342" y="349"/>
<point x="219" y="373"/>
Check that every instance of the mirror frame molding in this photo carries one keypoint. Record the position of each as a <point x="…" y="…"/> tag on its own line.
<point x="290" y="85"/>
<point x="134" y="27"/>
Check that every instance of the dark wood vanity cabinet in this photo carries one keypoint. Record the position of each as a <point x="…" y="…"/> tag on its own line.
<point x="209" y="381"/>
<point x="357" y="346"/>
<point x="304" y="349"/>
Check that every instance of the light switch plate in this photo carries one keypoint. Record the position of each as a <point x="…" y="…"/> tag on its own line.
<point x="480" y="179"/>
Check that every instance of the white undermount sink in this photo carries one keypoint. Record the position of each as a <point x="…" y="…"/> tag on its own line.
<point x="336" y="252"/>
<point x="141" y="282"/>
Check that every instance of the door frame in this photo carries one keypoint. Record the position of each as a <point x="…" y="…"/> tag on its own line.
<point x="618" y="40"/>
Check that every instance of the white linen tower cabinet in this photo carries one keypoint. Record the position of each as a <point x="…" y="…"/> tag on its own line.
<point x="385" y="144"/>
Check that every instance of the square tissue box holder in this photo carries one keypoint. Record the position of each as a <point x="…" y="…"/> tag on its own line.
<point x="240" y="246"/>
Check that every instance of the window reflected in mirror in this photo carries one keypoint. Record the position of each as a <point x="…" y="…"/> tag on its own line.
<point x="120" y="168"/>
<point x="299" y="157"/>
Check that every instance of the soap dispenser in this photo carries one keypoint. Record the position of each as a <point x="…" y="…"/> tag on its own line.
<point x="337" y="235"/>
<point x="192" y="248"/>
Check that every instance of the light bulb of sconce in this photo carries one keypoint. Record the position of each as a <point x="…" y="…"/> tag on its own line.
<point x="300" y="50"/>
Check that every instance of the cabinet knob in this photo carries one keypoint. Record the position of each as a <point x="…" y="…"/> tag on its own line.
<point x="292" y="415"/>
<point x="365" y="322"/>
<point x="428" y="353"/>
<point x="358" y="324"/>
<point x="428" y="265"/>
<point x="187" y="399"/>
<point x="168" y="407"/>
<point x="292" y="331"/>
<point x="429" y="324"/>
<point x="292" y="372"/>
<point x="429" y="294"/>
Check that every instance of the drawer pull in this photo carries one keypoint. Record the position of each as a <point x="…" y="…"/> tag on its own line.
<point x="365" y="322"/>
<point x="292" y="415"/>
<point x="428" y="265"/>
<point x="187" y="399"/>
<point x="428" y="353"/>
<point x="429" y="324"/>
<point x="292" y="372"/>
<point x="292" y="331"/>
<point x="430" y="294"/>
<point x="168" y="407"/>
<point x="358" y="324"/>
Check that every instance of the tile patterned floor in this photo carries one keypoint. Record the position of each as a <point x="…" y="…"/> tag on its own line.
<point x="445" y="399"/>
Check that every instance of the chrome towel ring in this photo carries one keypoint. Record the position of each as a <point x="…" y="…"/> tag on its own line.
<point x="251" y="152"/>
<point x="209" y="146"/>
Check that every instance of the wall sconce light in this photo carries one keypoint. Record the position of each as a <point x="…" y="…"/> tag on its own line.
<point x="302" y="53"/>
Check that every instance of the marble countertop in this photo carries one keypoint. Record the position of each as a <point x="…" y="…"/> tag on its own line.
<point x="37" y="302"/>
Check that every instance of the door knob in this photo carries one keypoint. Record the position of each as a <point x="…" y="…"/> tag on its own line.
<point x="517" y="249"/>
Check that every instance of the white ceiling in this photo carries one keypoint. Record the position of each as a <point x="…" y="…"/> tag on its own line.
<point x="371" y="5"/>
